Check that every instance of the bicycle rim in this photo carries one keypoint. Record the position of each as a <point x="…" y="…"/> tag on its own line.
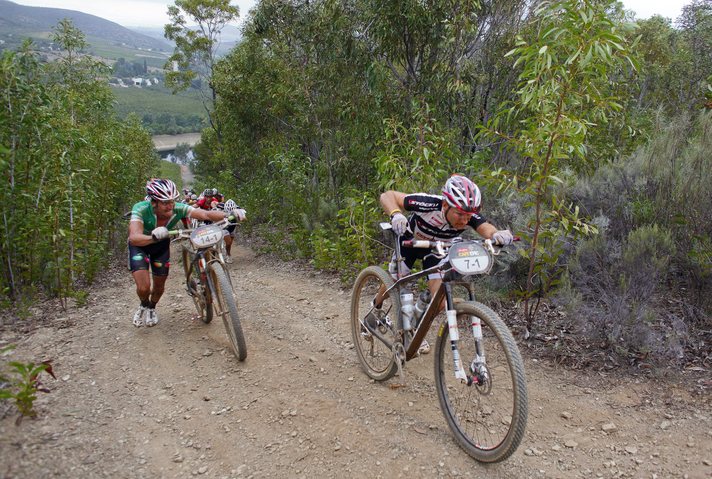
<point x="376" y="357"/>
<point x="228" y="310"/>
<point x="487" y="419"/>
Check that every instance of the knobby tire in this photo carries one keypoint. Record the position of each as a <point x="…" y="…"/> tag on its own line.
<point x="228" y="310"/>
<point x="203" y="301"/>
<point x="488" y="420"/>
<point x="377" y="360"/>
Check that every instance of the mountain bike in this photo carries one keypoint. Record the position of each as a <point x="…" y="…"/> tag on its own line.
<point x="208" y="281"/>
<point x="479" y="372"/>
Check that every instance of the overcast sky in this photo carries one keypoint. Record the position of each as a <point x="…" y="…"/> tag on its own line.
<point x="152" y="13"/>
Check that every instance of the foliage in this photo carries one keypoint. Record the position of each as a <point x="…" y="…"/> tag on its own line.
<point x="562" y="95"/>
<point x="69" y="165"/>
<point x="194" y="56"/>
<point x="617" y="284"/>
<point x="327" y="103"/>
<point x="122" y="68"/>
<point x="20" y="383"/>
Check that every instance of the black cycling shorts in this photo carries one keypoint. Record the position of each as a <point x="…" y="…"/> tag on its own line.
<point x="157" y="255"/>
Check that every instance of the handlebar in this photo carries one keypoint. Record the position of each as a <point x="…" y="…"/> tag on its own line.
<point x="224" y="223"/>
<point x="441" y="247"/>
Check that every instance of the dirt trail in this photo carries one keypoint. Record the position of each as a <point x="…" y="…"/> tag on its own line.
<point x="172" y="401"/>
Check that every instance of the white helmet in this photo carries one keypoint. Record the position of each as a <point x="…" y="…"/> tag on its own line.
<point x="461" y="193"/>
<point x="230" y="205"/>
<point x="161" y="190"/>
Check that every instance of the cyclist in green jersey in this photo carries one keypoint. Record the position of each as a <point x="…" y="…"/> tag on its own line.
<point x="149" y="245"/>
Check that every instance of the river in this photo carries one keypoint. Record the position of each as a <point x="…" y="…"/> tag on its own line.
<point x="169" y="142"/>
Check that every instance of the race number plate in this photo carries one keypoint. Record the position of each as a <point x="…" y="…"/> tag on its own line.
<point x="470" y="258"/>
<point x="206" y="236"/>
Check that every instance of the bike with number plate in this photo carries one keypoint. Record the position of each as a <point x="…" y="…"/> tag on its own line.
<point x="208" y="281"/>
<point x="479" y="372"/>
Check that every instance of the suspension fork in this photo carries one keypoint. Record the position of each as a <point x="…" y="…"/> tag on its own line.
<point x="476" y="329"/>
<point x="454" y="335"/>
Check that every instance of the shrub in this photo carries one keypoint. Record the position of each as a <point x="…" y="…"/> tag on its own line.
<point x="613" y="294"/>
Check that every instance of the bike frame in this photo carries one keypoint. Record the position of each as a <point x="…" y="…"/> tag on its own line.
<point x="433" y="309"/>
<point x="201" y="258"/>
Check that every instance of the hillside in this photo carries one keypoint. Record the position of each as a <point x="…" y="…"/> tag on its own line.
<point x="18" y="22"/>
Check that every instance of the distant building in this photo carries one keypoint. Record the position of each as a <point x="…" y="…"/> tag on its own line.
<point x="137" y="81"/>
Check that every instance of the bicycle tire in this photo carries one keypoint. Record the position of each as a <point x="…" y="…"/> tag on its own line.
<point x="487" y="419"/>
<point x="202" y="299"/>
<point x="228" y="310"/>
<point x="376" y="359"/>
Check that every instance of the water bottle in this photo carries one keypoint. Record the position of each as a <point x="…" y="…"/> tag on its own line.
<point x="407" y="310"/>
<point x="422" y="304"/>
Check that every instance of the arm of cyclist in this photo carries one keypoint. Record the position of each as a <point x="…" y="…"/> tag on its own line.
<point x="207" y="215"/>
<point x="393" y="205"/>
<point x="500" y="237"/>
<point x="137" y="238"/>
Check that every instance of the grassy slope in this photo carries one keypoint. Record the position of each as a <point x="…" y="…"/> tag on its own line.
<point x="156" y="101"/>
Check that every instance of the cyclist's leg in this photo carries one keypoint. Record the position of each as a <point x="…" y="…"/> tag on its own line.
<point x="160" y="260"/>
<point x="229" y="238"/>
<point x="160" y="264"/>
<point x="410" y="255"/>
<point x="138" y="265"/>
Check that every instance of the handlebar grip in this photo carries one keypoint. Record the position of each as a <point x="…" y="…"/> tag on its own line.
<point x="416" y="244"/>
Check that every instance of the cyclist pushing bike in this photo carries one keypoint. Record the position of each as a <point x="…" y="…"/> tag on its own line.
<point x="149" y="245"/>
<point x="434" y="218"/>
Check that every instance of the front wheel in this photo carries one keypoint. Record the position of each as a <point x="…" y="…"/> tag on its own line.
<point x="377" y="359"/>
<point x="228" y="310"/>
<point x="197" y="288"/>
<point x="488" y="417"/>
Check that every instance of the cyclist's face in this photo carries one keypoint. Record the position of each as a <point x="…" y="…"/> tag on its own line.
<point x="164" y="208"/>
<point x="458" y="219"/>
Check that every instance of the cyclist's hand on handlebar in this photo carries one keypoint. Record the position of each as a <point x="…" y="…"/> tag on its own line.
<point x="400" y="224"/>
<point x="503" y="237"/>
<point x="159" y="233"/>
<point x="239" y="214"/>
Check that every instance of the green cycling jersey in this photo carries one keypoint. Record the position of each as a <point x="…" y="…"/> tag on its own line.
<point x="143" y="212"/>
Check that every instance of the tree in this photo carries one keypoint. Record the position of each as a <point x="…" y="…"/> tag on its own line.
<point x="195" y="54"/>
<point x="564" y="92"/>
<point x="74" y="165"/>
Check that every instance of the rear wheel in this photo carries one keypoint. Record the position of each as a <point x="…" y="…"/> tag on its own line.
<point x="488" y="418"/>
<point x="197" y="288"/>
<point x="376" y="358"/>
<point x="228" y="310"/>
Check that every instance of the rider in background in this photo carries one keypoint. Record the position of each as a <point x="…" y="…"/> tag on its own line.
<point x="436" y="217"/>
<point x="149" y="245"/>
<point x="229" y="205"/>
<point x="206" y="200"/>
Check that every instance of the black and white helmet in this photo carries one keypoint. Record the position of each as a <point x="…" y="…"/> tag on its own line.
<point x="461" y="193"/>
<point x="161" y="190"/>
<point x="230" y="205"/>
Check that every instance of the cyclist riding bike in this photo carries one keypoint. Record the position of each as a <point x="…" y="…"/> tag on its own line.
<point x="149" y="245"/>
<point x="205" y="202"/>
<point x="435" y="218"/>
<point x="229" y="205"/>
